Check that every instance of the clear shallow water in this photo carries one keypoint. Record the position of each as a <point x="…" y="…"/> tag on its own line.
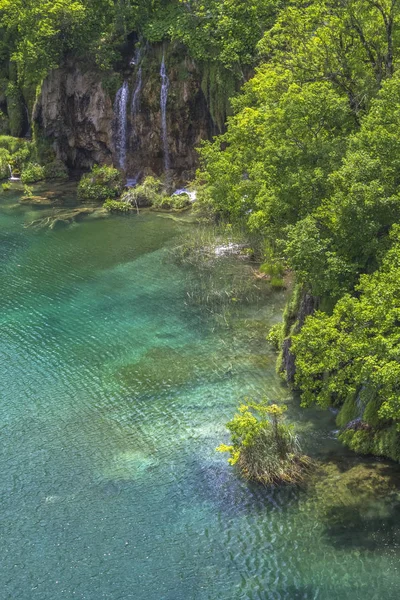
<point x="115" y="388"/>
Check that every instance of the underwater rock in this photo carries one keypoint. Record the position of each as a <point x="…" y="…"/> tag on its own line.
<point x="61" y="218"/>
<point x="37" y="200"/>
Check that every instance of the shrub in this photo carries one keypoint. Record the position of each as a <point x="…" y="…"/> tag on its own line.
<point x="173" y="202"/>
<point x="102" y="183"/>
<point x="6" y="186"/>
<point x="12" y="144"/>
<point x="275" y="335"/>
<point x="264" y="449"/>
<point x="4" y="163"/>
<point x="56" y="169"/>
<point x="116" y="206"/>
<point x="148" y="193"/>
<point x="15" y="152"/>
<point x="28" y="192"/>
<point x="32" y="173"/>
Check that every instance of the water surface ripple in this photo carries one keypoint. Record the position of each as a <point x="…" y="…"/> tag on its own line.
<point x="115" y="389"/>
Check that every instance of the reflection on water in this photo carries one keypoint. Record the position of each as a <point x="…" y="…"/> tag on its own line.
<point x="116" y="384"/>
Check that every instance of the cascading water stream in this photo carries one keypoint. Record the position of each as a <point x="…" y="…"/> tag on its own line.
<point x="136" y="94"/>
<point x="12" y="178"/>
<point x="120" y="109"/>
<point x="164" y="99"/>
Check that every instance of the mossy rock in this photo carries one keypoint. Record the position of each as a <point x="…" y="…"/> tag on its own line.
<point x="371" y="413"/>
<point x="348" y="412"/>
<point x="347" y="497"/>
<point x="37" y="200"/>
<point x="383" y="442"/>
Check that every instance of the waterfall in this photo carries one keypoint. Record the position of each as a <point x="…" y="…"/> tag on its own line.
<point x="164" y="98"/>
<point x="120" y="109"/>
<point x="12" y="178"/>
<point x="136" y="94"/>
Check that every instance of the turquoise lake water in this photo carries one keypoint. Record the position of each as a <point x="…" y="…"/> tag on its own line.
<point x="119" y="369"/>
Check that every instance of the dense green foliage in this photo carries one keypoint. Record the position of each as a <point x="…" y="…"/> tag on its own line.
<point x="116" y="206"/>
<point x="39" y="35"/>
<point x="263" y="447"/>
<point x="32" y="173"/>
<point x="147" y="193"/>
<point x="102" y="183"/>
<point x="310" y="162"/>
<point x="15" y="153"/>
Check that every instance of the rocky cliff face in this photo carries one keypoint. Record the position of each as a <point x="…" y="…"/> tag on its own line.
<point x="83" y="121"/>
<point x="74" y="113"/>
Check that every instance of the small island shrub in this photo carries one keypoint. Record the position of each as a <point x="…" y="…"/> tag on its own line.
<point x="265" y="449"/>
<point x="6" y="186"/>
<point x="116" y="206"/>
<point x="102" y="183"/>
<point x="32" y="173"/>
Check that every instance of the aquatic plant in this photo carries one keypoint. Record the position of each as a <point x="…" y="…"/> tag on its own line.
<point x="265" y="449"/>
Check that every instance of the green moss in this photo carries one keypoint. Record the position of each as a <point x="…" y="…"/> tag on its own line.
<point x="371" y="411"/>
<point x="382" y="442"/>
<point x="218" y="85"/>
<point x="360" y="441"/>
<point x="386" y="442"/>
<point x="291" y="311"/>
<point x="275" y="335"/>
<point x="348" y="412"/>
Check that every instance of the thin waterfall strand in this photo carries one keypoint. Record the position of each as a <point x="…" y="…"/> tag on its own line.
<point x="136" y="94"/>
<point x="120" y="109"/>
<point x="164" y="99"/>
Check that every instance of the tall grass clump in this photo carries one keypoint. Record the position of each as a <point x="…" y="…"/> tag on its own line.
<point x="265" y="449"/>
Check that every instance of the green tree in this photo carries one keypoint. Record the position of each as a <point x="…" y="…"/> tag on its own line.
<point x="353" y="355"/>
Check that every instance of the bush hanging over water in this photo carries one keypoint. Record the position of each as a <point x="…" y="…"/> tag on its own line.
<point x="102" y="183"/>
<point x="265" y="449"/>
<point x="32" y="173"/>
<point x="116" y="206"/>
